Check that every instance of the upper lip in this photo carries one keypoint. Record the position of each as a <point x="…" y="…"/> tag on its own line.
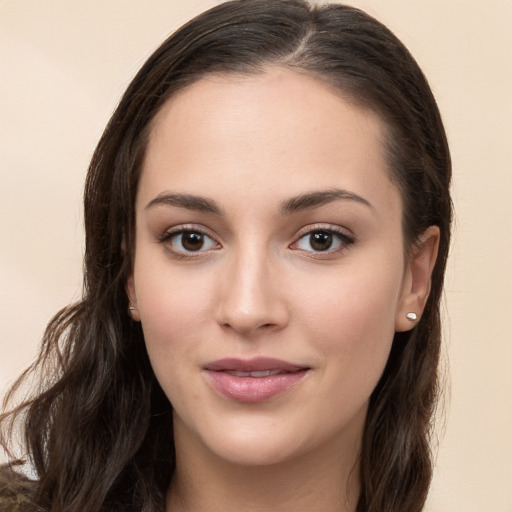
<point x="256" y="364"/>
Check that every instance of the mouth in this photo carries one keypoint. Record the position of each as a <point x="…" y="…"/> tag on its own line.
<point x="254" y="380"/>
<point x="263" y="373"/>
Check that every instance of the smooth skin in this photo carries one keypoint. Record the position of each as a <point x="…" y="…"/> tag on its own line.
<point x="267" y="225"/>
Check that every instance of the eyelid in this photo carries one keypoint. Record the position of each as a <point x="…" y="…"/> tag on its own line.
<point x="169" y="233"/>
<point x="320" y="226"/>
<point x="346" y="236"/>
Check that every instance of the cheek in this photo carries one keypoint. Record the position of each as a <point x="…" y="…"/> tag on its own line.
<point x="358" y="299"/>
<point x="174" y="309"/>
<point x="171" y="303"/>
<point x="351" y="322"/>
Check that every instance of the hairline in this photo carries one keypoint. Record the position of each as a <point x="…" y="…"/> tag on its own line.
<point x="248" y="70"/>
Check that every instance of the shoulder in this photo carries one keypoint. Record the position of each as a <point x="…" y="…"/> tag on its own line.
<point x="17" y="503"/>
<point x="15" y="492"/>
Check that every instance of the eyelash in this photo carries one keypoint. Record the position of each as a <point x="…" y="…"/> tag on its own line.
<point x="167" y="237"/>
<point x="344" y="240"/>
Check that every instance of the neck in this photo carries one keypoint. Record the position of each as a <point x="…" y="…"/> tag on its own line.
<point x="325" y="479"/>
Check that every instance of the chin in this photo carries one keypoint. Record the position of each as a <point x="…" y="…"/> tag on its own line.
<point x="244" y="441"/>
<point x="267" y="439"/>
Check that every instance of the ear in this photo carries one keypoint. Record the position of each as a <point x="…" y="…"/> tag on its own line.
<point x="133" y="310"/>
<point x="417" y="279"/>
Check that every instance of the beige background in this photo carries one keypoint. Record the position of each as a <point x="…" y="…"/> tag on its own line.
<point x="63" y="68"/>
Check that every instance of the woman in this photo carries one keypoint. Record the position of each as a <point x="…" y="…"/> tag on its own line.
<point x="267" y="224"/>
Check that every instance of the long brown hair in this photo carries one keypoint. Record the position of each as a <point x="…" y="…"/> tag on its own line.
<point x="98" y="430"/>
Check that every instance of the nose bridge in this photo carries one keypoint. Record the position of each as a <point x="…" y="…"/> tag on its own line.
<point x="249" y="297"/>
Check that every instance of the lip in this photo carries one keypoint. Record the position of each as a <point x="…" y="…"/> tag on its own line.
<point x="227" y="377"/>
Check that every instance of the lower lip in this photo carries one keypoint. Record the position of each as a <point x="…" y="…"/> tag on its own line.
<point x="253" y="389"/>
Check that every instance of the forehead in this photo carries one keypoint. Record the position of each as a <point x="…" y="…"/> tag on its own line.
<point x="278" y="130"/>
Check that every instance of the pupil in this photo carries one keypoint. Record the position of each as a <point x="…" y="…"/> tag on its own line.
<point x="321" y="241"/>
<point x="192" y="241"/>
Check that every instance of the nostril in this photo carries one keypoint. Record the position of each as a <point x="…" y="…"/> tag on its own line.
<point x="266" y="326"/>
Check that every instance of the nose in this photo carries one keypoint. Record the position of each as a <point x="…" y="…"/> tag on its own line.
<point x="251" y="300"/>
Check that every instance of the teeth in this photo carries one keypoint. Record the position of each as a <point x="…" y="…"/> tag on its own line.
<point x="264" y="373"/>
<point x="239" y="374"/>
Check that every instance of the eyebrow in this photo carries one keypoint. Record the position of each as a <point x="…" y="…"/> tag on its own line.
<point x="319" y="198"/>
<point x="295" y="204"/>
<point x="188" y="201"/>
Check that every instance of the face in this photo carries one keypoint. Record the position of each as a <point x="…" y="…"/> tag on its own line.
<point x="269" y="264"/>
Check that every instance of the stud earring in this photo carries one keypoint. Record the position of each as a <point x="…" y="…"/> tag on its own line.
<point x="132" y="308"/>
<point x="411" y="316"/>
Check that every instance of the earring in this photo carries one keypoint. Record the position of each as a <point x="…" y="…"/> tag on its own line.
<point x="132" y="308"/>
<point x="411" y="316"/>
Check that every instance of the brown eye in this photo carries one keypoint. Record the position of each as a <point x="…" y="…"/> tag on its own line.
<point x="320" y="240"/>
<point x="188" y="241"/>
<point x="192" y="241"/>
<point x="323" y="240"/>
